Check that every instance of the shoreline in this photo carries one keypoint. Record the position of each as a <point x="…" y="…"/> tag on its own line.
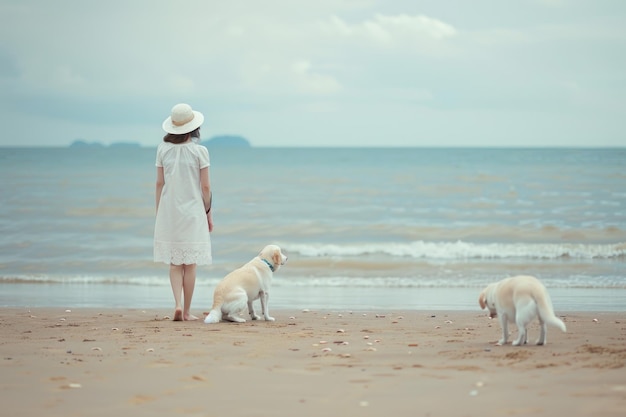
<point x="410" y="362"/>
<point x="14" y="295"/>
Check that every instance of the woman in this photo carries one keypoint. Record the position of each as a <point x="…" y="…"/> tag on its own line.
<point x="183" y="204"/>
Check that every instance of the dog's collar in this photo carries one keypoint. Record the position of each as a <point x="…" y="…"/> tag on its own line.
<point x="268" y="264"/>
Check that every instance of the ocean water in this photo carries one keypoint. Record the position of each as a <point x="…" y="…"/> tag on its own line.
<point x="363" y="228"/>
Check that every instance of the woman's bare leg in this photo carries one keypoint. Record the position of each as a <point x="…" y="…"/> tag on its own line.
<point x="189" y="283"/>
<point x="176" y="279"/>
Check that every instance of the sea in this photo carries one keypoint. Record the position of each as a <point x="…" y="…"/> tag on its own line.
<point x="364" y="228"/>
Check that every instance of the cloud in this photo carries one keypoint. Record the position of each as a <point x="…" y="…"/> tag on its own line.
<point x="392" y="29"/>
<point x="313" y="83"/>
<point x="287" y="79"/>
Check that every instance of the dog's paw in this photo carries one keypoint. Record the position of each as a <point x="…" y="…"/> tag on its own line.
<point x="255" y="317"/>
<point x="212" y="318"/>
<point x="268" y="318"/>
<point x="235" y="319"/>
<point x="501" y="342"/>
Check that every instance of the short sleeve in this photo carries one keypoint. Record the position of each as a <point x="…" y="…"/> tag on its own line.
<point x="159" y="157"/>
<point x="203" y="156"/>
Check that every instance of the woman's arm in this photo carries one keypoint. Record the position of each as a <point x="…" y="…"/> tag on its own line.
<point x="205" y="184"/>
<point x="160" y="182"/>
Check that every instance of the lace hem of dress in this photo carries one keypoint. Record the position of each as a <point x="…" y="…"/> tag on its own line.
<point x="168" y="253"/>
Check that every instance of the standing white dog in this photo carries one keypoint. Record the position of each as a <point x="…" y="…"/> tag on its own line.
<point x="519" y="300"/>
<point x="244" y="285"/>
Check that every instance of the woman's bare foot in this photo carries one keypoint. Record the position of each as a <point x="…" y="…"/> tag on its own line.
<point x="190" y="317"/>
<point x="178" y="314"/>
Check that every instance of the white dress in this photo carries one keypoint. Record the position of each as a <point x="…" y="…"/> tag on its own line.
<point x="181" y="231"/>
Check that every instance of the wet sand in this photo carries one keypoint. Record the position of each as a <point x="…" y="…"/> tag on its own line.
<point x="103" y="362"/>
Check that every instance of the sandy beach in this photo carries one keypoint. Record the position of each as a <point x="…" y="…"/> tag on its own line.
<point x="335" y="363"/>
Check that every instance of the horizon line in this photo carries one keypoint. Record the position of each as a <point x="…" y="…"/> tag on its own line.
<point x="127" y="145"/>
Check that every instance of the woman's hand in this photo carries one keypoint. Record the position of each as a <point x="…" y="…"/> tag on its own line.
<point x="209" y="217"/>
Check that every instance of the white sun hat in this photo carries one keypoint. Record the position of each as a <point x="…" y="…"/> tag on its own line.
<point x="183" y="120"/>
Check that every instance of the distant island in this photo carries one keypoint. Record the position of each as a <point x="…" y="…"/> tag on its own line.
<point x="79" y="143"/>
<point x="231" y="141"/>
<point x="222" y="141"/>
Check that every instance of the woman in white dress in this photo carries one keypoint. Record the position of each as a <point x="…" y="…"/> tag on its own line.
<point x="183" y="204"/>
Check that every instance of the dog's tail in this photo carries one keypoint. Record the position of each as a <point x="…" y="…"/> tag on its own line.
<point x="215" y="316"/>
<point x="546" y="312"/>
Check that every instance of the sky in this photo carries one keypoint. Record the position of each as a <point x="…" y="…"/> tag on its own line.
<point x="294" y="73"/>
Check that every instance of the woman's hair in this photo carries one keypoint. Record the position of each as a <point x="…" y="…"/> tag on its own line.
<point x="173" y="138"/>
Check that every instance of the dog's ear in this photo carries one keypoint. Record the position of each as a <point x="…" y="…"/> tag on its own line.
<point x="276" y="258"/>
<point x="482" y="300"/>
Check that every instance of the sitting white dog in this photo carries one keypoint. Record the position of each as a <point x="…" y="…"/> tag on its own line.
<point x="519" y="300"/>
<point x="244" y="285"/>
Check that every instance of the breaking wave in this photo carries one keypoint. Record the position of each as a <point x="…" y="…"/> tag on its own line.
<point x="465" y="250"/>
